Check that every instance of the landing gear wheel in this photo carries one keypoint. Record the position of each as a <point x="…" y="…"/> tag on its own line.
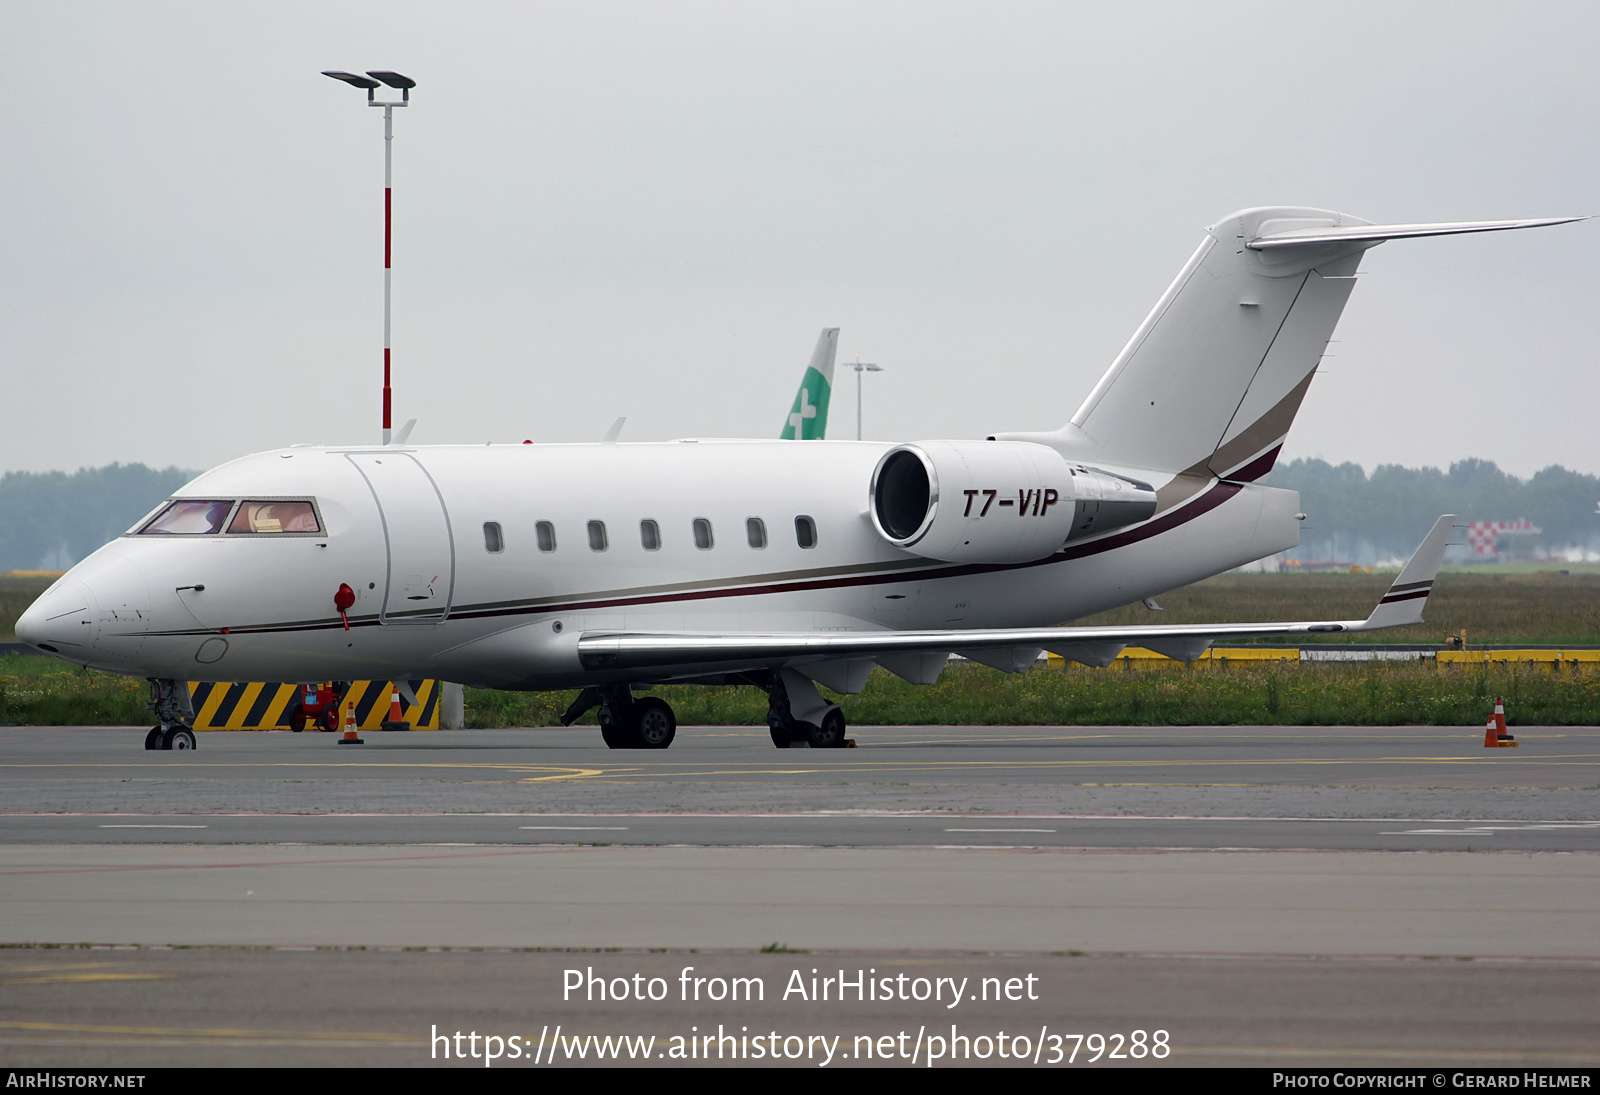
<point x="654" y="724"/>
<point x="178" y="737"/>
<point x="830" y="735"/>
<point x="152" y="740"/>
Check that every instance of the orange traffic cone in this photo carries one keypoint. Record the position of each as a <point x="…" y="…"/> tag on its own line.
<point x="350" y="726"/>
<point x="1494" y="731"/>
<point x="397" y="714"/>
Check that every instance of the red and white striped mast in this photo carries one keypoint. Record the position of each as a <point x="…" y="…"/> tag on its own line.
<point x="369" y="83"/>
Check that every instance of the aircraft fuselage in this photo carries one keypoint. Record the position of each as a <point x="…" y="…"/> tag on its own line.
<point x="484" y="564"/>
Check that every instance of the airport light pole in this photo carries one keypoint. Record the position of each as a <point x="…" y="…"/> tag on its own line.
<point x="861" y="367"/>
<point x="369" y="83"/>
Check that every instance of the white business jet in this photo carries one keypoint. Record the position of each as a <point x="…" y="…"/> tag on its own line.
<point x="614" y="567"/>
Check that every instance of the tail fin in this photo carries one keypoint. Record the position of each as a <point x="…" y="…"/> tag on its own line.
<point x="1211" y="381"/>
<point x="808" y="418"/>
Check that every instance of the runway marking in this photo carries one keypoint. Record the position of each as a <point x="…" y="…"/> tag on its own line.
<point x="579" y="828"/>
<point x="885" y="764"/>
<point x="283" y="862"/>
<point x="1488" y="830"/>
<point x="1354" y="1053"/>
<point x="565" y="773"/>
<point x="76" y="978"/>
<point x="154" y="826"/>
<point x="999" y="830"/>
<point x="818" y="815"/>
<point x="49" y="968"/>
<point x="310" y="1035"/>
<point x="672" y="771"/>
<point x="855" y="763"/>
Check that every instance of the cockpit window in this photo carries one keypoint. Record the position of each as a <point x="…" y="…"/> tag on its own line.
<point x="189" y="517"/>
<point x="269" y="517"/>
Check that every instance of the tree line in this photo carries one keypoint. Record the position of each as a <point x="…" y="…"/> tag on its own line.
<point x="1351" y="515"/>
<point x="50" y="520"/>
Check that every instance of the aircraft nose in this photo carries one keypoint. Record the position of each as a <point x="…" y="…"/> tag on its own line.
<point x="61" y="621"/>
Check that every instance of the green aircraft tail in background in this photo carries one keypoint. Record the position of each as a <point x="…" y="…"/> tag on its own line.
<point x="808" y="418"/>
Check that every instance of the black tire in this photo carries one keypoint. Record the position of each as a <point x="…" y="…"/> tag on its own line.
<point x="831" y="734"/>
<point x="617" y="735"/>
<point x="152" y="740"/>
<point x="653" y="723"/>
<point x="178" y="737"/>
<point x="296" y="717"/>
<point x="783" y="734"/>
<point x="328" y="720"/>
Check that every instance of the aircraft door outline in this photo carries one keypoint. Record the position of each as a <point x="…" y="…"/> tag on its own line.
<point x="419" y="542"/>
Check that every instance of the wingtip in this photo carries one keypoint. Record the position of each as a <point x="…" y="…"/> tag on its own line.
<point x="1408" y="594"/>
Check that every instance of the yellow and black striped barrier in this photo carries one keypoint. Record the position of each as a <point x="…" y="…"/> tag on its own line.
<point x="265" y="706"/>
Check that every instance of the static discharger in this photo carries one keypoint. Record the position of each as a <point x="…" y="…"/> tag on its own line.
<point x="1494" y="731"/>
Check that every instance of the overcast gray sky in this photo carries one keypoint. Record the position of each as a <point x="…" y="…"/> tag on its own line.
<point x="650" y="209"/>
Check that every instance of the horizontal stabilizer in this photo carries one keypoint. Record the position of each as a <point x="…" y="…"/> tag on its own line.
<point x="1377" y="233"/>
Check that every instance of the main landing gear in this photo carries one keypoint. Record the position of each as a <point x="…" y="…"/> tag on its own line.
<point x="169" y="700"/>
<point x="796" y="712"/>
<point x="625" y="722"/>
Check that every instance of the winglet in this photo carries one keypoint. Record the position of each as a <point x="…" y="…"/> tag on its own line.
<point x="1406" y="597"/>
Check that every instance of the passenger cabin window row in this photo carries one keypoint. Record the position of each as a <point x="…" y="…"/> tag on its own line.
<point x="234" y="517"/>
<point x="755" y="531"/>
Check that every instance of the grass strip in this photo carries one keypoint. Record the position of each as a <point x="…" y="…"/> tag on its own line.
<point x="38" y="692"/>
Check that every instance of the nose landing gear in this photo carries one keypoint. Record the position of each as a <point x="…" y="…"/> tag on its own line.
<point x="169" y="700"/>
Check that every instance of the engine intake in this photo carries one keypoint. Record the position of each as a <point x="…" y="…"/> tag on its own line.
<point x="996" y="501"/>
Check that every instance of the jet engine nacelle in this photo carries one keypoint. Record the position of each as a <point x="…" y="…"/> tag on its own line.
<point x="996" y="501"/>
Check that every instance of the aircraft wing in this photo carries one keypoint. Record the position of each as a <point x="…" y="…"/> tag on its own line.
<point x="1006" y="648"/>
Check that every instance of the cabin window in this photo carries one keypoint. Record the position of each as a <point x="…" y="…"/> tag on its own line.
<point x="597" y="536"/>
<point x="494" y="542"/>
<point x="189" y="517"/>
<point x="702" y="534"/>
<point x="805" y="532"/>
<point x="253" y="516"/>
<point x="545" y="533"/>
<point x="755" y="530"/>
<point x="650" y="535"/>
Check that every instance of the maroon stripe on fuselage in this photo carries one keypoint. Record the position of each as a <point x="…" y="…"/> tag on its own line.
<point x="1218" y="493"/>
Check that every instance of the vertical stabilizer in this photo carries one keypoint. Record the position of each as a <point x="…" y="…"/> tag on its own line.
<point x="1211" y="381"/>
<point x="808" y="418"/>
